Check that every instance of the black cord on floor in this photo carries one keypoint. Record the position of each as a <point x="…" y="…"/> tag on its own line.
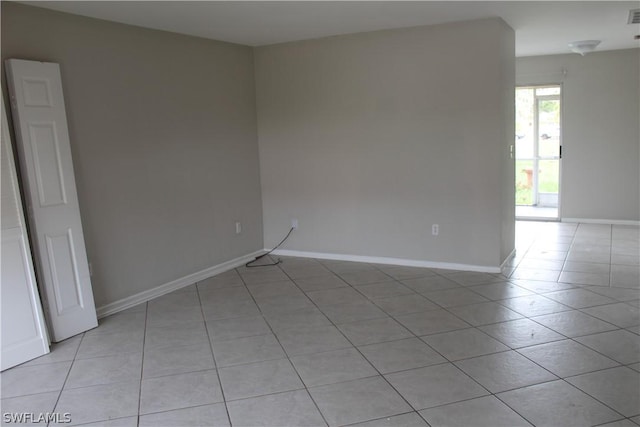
<point x="248" y="265"/>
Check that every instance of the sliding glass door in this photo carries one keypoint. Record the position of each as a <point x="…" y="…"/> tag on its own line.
<point x="538" y="152"/>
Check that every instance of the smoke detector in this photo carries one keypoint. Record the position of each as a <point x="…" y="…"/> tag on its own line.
<point x="584" y="46"/>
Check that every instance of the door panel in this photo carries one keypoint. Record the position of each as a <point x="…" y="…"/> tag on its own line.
<point x="47" y="168"/>
<point x="548" y="178"/>
<point x="23" y="332"/>
<point x="66" y="280"/>
<point x="46" y="159"/>
<point x="548" y="151"/>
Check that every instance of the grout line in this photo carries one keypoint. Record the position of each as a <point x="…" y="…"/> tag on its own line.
<point x="383" y="418"/>
<point x="169" y="410"/>
<point x="285" y="351"/>
<point x="144" y="337"/>
<point x="514" y="409"/>
<point x="594" y="398"/>
<point x="55" y="406"/>
<point x="213" y="355"/>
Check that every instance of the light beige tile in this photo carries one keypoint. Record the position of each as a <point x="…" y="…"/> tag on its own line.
<point x="352" y="312"/>
<point x="256" y="379"/>
<point x="533" y="305"/>
<point x="21" y="381"/>
<point x="616" y="387"/>
<point x="432" y="322"/>
<point x="177" y="360"/>
<point x="374" y="331"/>
<point x="214" y="415"/>
<point x="105" y="370"/>
<point x="521" y="333"/>
<point x="292" y="408"/>
<point x="179" y="391"/>
<point x="405" y="304"/>
<point x="504" y="371"/>
<point x="247" y="350"/>
<point x="33" y="404"/>
<point x="323" y="338"/>
<point x="359" y="400"/>
<point x="100" y="403"/>
<point x="455" y="297"/>
<point x="401" y="355"/>
<point x="619" y="345"/>
<point x="332" y="367"/>
<point x="464" y="343"/>
<point x="579" y="298"/>
<point x="384" y="290"/>
<point x="484" y="313"/>
<point x="435" y="385"/>
<point x="573" y="323"/>
<point x="481" y="412"/>
<point x="557" y="403"/>
<point x="411" y="419"/>
<point x="619" y="314"/>
<point x="567" y="358"/>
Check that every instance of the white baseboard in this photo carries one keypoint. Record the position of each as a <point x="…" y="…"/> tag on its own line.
<point x="507" y="259"/>
<point x="390" y="261"/>
<point x="190" y="279"/>
<point x="537" y="219"/>
<point x="602" y="221"/>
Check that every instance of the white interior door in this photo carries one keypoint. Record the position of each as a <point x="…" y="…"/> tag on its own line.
<point x="24" y="334"/>
<point x="42" y="138"/>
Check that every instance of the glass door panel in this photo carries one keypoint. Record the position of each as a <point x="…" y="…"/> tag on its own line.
<point x="538" y="142"/>
<point x="525" y="118"/>
<point x="548" y="127"/>
<point x="525" y="145"/>
<point x="524" y="182"/>
<point x="548" y="179"/>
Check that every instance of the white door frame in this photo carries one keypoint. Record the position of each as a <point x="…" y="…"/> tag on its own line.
<point x="536" y="158"/>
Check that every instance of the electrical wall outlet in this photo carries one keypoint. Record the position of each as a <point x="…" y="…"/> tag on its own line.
<point x="294" y="223"/>
<point x="435" y="229"/>
<point x="238" y="228"/>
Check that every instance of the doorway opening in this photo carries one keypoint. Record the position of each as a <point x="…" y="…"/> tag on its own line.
<point x="538" y="152"/>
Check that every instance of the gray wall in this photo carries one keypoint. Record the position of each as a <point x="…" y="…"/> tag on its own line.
<point x="369" y="139"/>
<point x="163" y="138"/>
<point x="601" y="136"/>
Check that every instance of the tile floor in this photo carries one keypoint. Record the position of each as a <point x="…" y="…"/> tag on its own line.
<point x="552" y="342"/>
<point x="532" y="213"/>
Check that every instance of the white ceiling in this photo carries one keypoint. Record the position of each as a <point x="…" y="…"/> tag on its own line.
<point x="541" y="27"/>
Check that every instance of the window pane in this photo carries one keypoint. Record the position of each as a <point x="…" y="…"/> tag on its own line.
<point x="548" y="127"/>
<point x="549" y="176"/>
<point x="542" y="91"/>
<point x="524" y="123"/>
<point x="524" y="182"/>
